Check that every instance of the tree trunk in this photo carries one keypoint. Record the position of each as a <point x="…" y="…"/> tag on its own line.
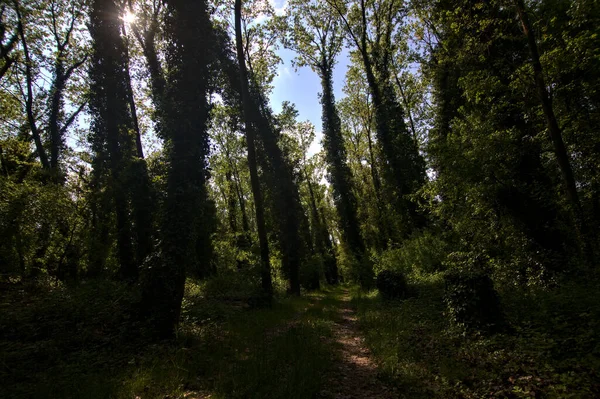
<point x="242" y="202"/>
<point x="331" y="269"/>
<point x="322" y="241"/>
<point x="55" y="108"/>
<point x="29" y="93"/>
<point x="407" y="106"/>
<point x="238" y="190"/>
<point x="231" y="202"/>
<point x="183" y="116"/>
<point x="341" y="176"/>
<point x="131" y="101"/>
<point x="112" y="121"/>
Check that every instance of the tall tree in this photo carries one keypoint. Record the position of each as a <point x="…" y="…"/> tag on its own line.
<point x="64" y="22"/>
<point x="46" y="111"/>
<point x="250" y="126"/>
<point x="364" y="159"/>
<point x="111" y="135"/>
<point x="186" y="111"/>
<point x="286" y="204"/>
<point x="370" y="27"/>
<point x="301" y="136"/>
<point x="314" y="32"/>
<point x="147" y="29"/>
<point x="560" y="150"/>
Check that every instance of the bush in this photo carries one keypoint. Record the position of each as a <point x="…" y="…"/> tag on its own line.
<point x="310" y="273"/>
<point x="423" y="252"/>
<point x="232" y="285"/>
<point x="354" y="269"/>
<point x="41" y="228"/>
<point x="472" y="300"/>
<point x="392" y="285"/>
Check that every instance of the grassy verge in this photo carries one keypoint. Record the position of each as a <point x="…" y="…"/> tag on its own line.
<point x="74" y="342"/>
<point x="553" y="350"/>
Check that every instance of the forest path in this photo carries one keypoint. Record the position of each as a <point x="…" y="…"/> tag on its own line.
<point x="354" y="375"/>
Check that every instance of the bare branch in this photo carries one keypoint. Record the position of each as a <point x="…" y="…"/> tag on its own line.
<point x="73" y="67"/>
<point x="72" y="118"/>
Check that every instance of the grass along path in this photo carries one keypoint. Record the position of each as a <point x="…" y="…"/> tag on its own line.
<point x="74" y="342"/>
<point x="59" y="341"/>
<point x="552" y="352"/>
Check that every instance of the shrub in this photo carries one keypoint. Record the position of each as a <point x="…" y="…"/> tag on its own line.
<point x="423" y="252"/>
<point x="310" y="273"/>
<point x="354" y="269"/>
<point x="472" y="300"/>
<point x="41" y="228"/>
<point x="232" y="284"/>
<point x="392" y="285"/>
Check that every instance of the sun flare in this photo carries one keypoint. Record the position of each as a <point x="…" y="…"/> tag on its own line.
<point x="129" y="17"/>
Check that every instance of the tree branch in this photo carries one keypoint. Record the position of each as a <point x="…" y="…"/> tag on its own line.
<point x="333" y="4"/>
<point x="29" y="97"/>
<point x="72" y="118"/>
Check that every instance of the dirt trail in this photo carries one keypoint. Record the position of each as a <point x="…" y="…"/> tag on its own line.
<point x="354" y="376"/>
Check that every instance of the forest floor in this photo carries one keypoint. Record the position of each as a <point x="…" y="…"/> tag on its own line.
<point x="355" y="375"/>
<point x="82" y="341"/>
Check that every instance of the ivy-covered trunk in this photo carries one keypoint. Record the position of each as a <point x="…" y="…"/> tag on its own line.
<point x="184" y="130"/>
<point x="339" y="173"/>
<point x="111" y="124"/>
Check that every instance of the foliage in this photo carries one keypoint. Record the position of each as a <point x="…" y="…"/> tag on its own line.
<point x="496" y="184"/>
<point x="424" y="252"/>
<point x="44" y="51"/>
<point x="43" y="226"/>
<point x="550" y="352"/>
<point x="392" y="285"/>
<point x="471" y="300"/>
<point x="60" y="339"/>
<point x="353" y="269"/>
<point x="222" y="349"/>
<point x="230" y="285"/>
<point x="311" y="272"/>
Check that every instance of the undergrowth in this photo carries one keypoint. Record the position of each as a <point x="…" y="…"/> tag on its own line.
<point x="83" y="342"/>
<point x="551" y="351"/>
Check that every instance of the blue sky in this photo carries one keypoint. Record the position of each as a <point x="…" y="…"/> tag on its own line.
<point x="302" y="87"/>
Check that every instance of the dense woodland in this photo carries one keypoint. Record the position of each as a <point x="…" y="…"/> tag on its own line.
<point x="165" y="233"/>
